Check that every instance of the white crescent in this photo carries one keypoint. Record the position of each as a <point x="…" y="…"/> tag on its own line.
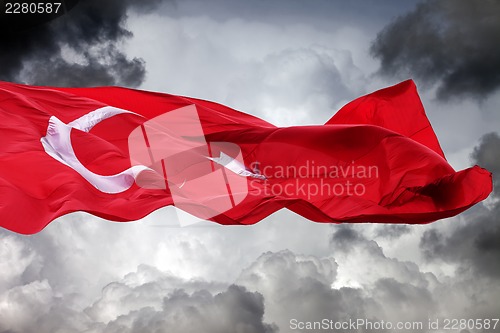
<point x="57" y="143"/>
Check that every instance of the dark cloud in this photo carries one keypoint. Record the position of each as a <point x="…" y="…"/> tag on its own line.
<point x="233" y="310"/>
<point x="405" y="291"/>
<point x="272" y="290"/>
<point x="487" y="155"/>
<point x="392" y="231"/>
<point x="143" y="301"/>
<point x="299" y="287"/>
<point x="449" y="42"/>
<point x="79" y="48"/>
<point x="97" y="70"/>
<point x="305" y="287"/>
<point x="345" y="237"/>
<point x="353" y="248"/>
<point x="475" y="245"/>
<point x="394" y="296"/>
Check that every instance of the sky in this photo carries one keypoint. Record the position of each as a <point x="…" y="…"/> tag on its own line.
<point x="292" y="63"/>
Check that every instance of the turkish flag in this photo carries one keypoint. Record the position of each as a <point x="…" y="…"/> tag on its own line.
<point x="120" y="154"/>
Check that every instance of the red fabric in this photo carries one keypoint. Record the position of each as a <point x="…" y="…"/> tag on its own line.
<point x="387" y="129"/>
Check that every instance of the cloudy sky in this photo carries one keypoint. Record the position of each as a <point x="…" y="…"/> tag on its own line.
<point x="290" y="62"/>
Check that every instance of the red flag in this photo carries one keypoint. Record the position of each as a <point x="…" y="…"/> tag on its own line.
<point x="120" y="154"/>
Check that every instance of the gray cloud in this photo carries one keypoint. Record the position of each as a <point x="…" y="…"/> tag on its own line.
<point x="393" y="296"/>
<point x="393" y="230"/>
<point x="309" y="288"/>
<point x="356" y="280"/>
<point x="487" y="155"/>
<point x="233" y="310"/>
<point x="80" y="48"/>
<point x="407" y="291"/>
<point x="449" y="42"/>
<point x="475" y="245"/>
<point x="309" y="83"/>
<point x="143" y="301"/>
<point x="299" y="287"/>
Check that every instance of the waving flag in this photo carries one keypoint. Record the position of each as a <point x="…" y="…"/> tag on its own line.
<point x="120" y="154"/>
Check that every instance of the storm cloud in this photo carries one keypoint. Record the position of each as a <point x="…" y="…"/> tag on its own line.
<point x="474" y="246"/>
<point x="233" y="310"/>
<point x="451" y="43"/>
<point x="79" y="48"/>
<point x="146" y="300"/>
